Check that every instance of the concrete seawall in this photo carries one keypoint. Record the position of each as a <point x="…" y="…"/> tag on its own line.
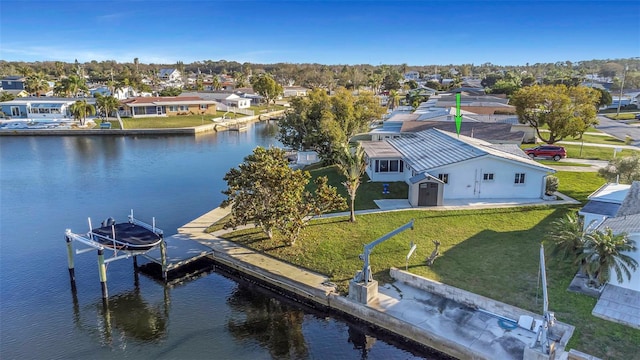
<point x="137" y="132"/>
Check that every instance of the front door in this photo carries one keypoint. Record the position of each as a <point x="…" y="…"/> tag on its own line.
<point x="159" y="110"/>
<point x="428" y="194"/>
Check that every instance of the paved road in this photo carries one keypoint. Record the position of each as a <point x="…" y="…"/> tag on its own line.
<point x="619" y="129"/>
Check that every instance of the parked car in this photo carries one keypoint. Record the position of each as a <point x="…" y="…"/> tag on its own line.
<point x="547" y="151"/>
<point x="637" y="116"/>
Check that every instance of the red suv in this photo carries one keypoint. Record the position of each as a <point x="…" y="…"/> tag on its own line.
<point x="548" y="151"/>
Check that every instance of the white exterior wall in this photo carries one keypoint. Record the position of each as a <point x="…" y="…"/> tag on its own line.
<point x="466" y="180"/>
<point x="597" y="219"/>
<point x="634" y="284"/>
<point x="389" y="176"/>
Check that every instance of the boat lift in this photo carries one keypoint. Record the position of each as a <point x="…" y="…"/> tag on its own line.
<point x="362" y="287"/>
<point x="119" y="248"/>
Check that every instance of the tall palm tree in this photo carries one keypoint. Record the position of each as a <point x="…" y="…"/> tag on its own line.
<point x="352" y="164"/>
<point x="215" y="83"/>
<point x="107" y="104"/>
<point x="605" y="251"/>
<point x="75" y="84"/>
<point x="394" y="99"/>
<point x="80" y="109"/>
<point x="37" y="83"/>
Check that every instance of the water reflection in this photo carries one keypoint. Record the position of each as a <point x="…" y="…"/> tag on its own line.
<point x="123" y="317"/>
<point x="269" y="130"/>
<point x="361" y="341"/>
<point x="273" y="324"/>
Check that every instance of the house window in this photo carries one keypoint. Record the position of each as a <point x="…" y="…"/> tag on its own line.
<point x="487" y="177"/>
<point x="203" y="106"/>
<point x="15" y="111"/>
<point x="184" y="107"/>
<point x="444" y="178"/>
<point x="173" y="108"/>
<point x="519" y="178"/>
<point x="389" y="166"/>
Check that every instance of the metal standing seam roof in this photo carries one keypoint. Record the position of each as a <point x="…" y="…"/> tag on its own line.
<point x="629" y="224"/>
<point x="432" y="148"/>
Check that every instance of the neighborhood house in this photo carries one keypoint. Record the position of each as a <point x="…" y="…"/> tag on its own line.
<point x="166" y="106"/>
<point x="438" y="166"/>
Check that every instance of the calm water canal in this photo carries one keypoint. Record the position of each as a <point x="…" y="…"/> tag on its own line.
<point x="48" y="184"/>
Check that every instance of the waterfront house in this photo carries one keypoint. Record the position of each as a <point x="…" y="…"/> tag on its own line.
<point x="440" y="166"/>
<point x="166" y="106"/>
<point x="41" y="109"/>
<point x="229" y="100"/>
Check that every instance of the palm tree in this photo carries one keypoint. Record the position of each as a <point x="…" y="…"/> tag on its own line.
<point x="352" y="164"/>
<point x="37" y="83"/>
<point x="107" y="104"/>
<point x="394" y="99"/>
<point x="75" y="84"/>
<point x="80" y="109"/>
<point x="604" y="252"/>
<point x="568" y="236"/>
<point x="215" y="83"/>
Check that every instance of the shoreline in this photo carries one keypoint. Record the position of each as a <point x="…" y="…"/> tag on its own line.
<point x="395" y="309"/>
<point x="223" y="126"/>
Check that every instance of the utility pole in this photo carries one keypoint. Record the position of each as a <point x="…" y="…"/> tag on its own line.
<point x="624" y="75"/>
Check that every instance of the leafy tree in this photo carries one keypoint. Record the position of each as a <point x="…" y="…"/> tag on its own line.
<point x="611" y="69"/>
<point x="567" y="111"/>
<point x="412" y="84"/>
<point x="551" y="184"/>
<point x="604" y="252"/>
<point x="322" y="123"/>
<point x="170" y="91"/>
<point x="266" y="86"/>
<point x="352" y="164"/>
<point x="264" y="190"/>
<point x="80" y="109"/>
<point x="391" y="81"/>
<point x="490" y="80"/>
<point x="5" y="96"/>
<point x="626" y="168"/>
<point x="504" y="86"/>
<point x="605" y="98"/>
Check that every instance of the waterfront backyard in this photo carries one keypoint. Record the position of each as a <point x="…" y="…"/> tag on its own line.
<point x="490" y="252"/>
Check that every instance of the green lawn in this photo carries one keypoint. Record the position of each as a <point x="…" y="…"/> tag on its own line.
<point x="558" y="163"/>
<point x="489" y="252"/>
<point x="164" y="122"/>
<point x="599" y="139"/>
<point x="578" y="185"/>
<point x="367" y="192"/>
<point x="622" y="116"/>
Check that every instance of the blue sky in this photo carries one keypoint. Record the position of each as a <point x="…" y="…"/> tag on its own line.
<point x="326" y="32"/>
